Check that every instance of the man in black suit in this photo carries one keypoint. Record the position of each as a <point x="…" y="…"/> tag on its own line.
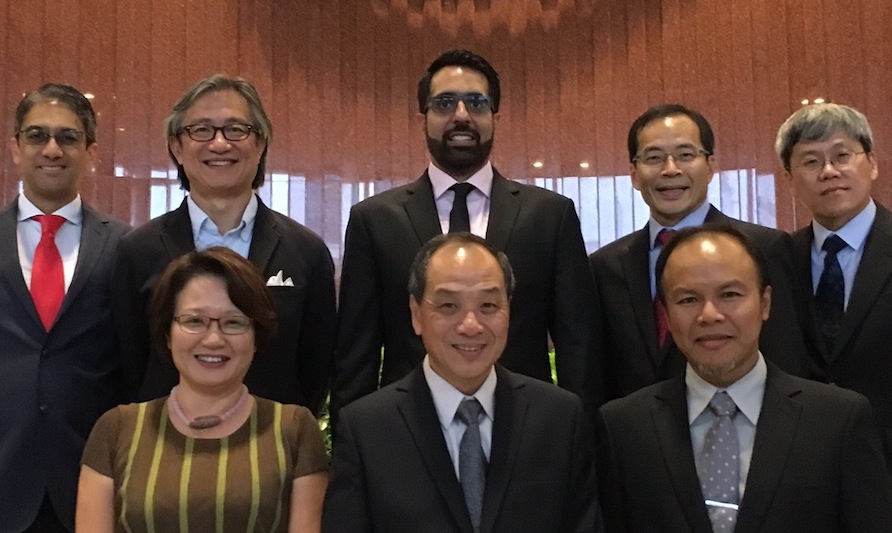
<point x="404" y="457"/>
<point x="827" y="153"/>
<point x="218" y="136"/>
<point x="735" y="444"/>
<point x="59" y="366"/>
<point x="458" y="98"/>
<point x="671" y="158"/>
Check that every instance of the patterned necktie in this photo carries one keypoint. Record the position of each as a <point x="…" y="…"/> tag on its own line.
<point x="47" y="274"/>
<point x="459" y="220"/>
<point x="831" y="292"/>
<point x="471" y="460"/>
<point x="663" y="237"/>
<point x="720" y="464"/>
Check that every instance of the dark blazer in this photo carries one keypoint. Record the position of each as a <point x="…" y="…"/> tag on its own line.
<point x="632" y="357"/>
<point x="391" y="470"/>
<point x="862" y="360"/>
<point x="295" y="367"/>
<point x="537" y="229"/>
<point x="816" y="464"/>
<point x="53" y="385"/>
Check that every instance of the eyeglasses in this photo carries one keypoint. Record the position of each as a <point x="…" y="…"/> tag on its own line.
<point x="840" y="160"/>
<point x="229" y="325"/>
<point x="206" y="132"/>
<point x="658" y="158"/>
<point x="446" y="103"/>
<point x="39" y="136"/>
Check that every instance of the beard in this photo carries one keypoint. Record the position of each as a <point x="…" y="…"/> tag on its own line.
<point x="459" y="160"/>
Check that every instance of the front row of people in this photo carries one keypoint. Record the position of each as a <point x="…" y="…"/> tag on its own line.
<point x="463" y="444"/>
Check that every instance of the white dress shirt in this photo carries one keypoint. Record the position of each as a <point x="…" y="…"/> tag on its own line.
<point x="68" y="237"/>
<point x="478" y="200"/>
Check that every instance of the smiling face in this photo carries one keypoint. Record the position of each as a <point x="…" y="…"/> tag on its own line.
<point x="209" y="361"/>
<point x="459" y="142"/>
<point x="672" y="190"/>
<point x="463" y="316"/>
<point x="218" y="168"/>
<point x="51" y="172"/>
<point x="715" y="307"/>
<point x="834" y="195"/>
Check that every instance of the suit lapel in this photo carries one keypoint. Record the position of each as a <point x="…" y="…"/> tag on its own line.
<point x="802" y="243"/>
<point x="671" y="427"/>
<point x="872" y="275"/>
<point x="775" y="431"/>
<point x="422" y="423"/>
<point x="264" y="238"/>
<point x="10" y="267"/>
<point x="510" y="419"/>
<point x="636" y="265"/>
<point x="94" y="237"/>
<point x="421" y="209"/>
<point x="503" y="209"/>
<point x="177" y="233"/>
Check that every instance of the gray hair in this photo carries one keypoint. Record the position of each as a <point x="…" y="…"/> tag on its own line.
<point x="818" y="122"/>
<point x="263" y="128"/>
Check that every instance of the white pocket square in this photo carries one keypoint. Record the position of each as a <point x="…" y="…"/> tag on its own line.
<point x="279" y="281"/>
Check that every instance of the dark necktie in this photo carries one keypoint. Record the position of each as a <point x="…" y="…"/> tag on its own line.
<point x="471" y="460"/>
<point x="47" y="274"/>
<point x="720" y="464"/>
<point x="831" y="292"/>
<point x="459" y="220"/>
<point x="663" y="237"/>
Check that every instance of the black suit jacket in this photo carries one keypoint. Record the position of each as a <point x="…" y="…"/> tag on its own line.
<point x="537" y="229"/>
<point x="295" y="367"/>
<point x="391" y="470"/>
<point x="632" y="357"/>
<point x="816" y="464"/>
<point x="53" y="385"/>
<point x="861" y="360"/>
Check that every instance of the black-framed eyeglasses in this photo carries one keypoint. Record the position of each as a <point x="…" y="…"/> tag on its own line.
<point x="658" y="158"/>
<point x="37" y="136"/>
<point x="229" y="325"/>
<point x="814" y="163"/>
<point x="206" y="132"/>
<point x="446" y="103"/>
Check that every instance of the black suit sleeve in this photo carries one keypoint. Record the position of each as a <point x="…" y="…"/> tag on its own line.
<point x="360" y="324"/>
<point x="317" y="340"/>
<point x="581" y="513"/>
<point x="346" y="505"/>
<point x="573" y="326"/>
<point x="610" y="490"/>
<point x="866" y="488"/>
<point x="128" y="303"/>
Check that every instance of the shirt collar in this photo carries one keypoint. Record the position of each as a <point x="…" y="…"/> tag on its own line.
<point x="695" y="218"/>
<point x="441" y="181"/>
<point x="70" y="211"/>
<point x="447" y="397"/>
<point x="747" y="392"/>
<point x="201" y="221"/>
<point x="854" y="232"/>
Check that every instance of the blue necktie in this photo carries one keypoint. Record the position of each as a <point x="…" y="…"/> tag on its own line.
<point x="720" y="465"/>
<point x="831" y="292"/>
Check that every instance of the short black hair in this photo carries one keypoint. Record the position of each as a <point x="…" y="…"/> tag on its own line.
<point x="66" y="95"/>
<point x="720" y="228"/>
<point x="460" y="58"/>
<point x="418" y="271"/>
<point x="707" y="137"/>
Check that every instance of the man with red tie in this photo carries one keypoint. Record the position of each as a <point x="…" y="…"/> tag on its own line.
<point x="58" y="358"/>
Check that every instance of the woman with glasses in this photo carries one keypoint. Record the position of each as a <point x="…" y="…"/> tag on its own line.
<point x="209" y="456"/>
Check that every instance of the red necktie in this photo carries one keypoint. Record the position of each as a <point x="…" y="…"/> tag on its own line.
<point x="663" y="237"/>
<point x="47" y="274"/>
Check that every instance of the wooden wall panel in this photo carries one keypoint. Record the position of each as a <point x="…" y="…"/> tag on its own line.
<point x="339" y="79"/>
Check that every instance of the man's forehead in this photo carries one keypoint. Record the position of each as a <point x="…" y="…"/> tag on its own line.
<point x="835" y="139"/>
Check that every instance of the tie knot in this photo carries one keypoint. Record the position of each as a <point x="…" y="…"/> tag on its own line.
<point x="665" y="235"/>
<point x="833" y="244"/>
<point x="461" y="190"/>
<point x="469" y="411"/>
<point x="722" y="405"/>
<point x="49" y="223"/>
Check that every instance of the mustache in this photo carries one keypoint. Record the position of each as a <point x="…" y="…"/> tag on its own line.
<point x="461" y="128"/>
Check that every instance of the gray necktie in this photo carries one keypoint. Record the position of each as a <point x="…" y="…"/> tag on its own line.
<point x="459" y="219"/>
<point x="720" y="464"/>
<point x="471" y="461"/>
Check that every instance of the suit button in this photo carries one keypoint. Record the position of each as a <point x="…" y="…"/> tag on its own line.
<point x="44" y="409"/>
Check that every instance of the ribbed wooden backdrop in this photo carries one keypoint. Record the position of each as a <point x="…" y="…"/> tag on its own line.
<point x="338" y="78"/>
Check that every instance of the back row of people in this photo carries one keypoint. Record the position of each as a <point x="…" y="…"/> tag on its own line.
<point x="66" y="333"/>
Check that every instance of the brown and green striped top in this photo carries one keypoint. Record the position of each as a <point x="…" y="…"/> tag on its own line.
<point x="167" y="482"/>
